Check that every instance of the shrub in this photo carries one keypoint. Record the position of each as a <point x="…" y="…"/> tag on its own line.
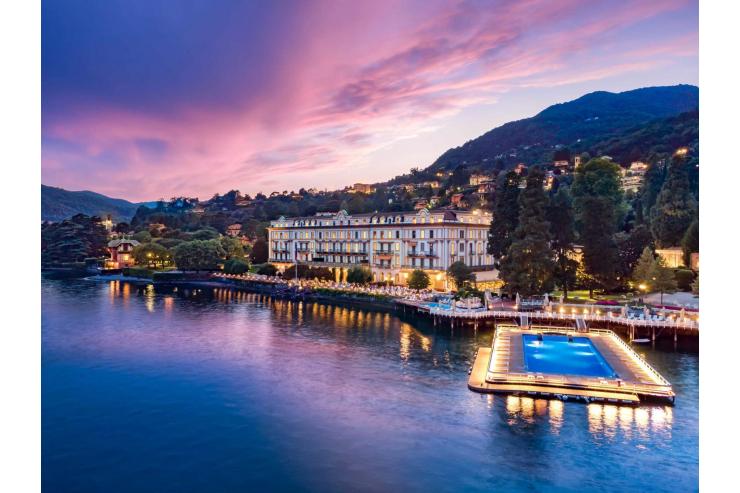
<point x="143" y="237"/>
<point x="460" y="274"/>
<point x="236" y="266"/>
<point x="418" y="280"/>
<point x="469" y="292"/>
<point x="684" y="279"/>
<point x="267" y="270"/>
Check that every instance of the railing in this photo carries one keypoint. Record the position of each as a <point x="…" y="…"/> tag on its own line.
<point x="634" y="354"/>
<point x="481" y="314"/>
<point x="662" y="388"/>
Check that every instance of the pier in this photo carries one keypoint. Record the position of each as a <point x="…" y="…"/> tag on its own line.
<point x="671" y="325"/>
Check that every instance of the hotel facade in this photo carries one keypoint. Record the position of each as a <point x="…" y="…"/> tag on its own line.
<point x="391" y="245"/>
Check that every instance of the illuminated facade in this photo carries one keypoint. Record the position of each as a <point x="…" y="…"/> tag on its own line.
<point x="633" y="178"/>
<point x="121" y="253"/>
<point x="390" y="244"/>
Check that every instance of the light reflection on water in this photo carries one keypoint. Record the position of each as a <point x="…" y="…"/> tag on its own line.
<point x="306" y="396"/>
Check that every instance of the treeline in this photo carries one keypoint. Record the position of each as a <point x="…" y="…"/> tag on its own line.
<point x="535" y="231"/>
<point x="73" y="240"/>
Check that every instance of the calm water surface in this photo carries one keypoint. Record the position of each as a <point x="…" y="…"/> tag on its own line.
<point x="215" y="391"/>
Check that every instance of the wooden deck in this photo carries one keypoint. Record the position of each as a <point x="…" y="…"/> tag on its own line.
<point x="501" y="369"/>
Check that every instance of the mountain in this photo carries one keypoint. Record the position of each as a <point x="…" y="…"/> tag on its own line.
<point x="58" y="204"/>
<point x="575" y="125"/>
<point x="657" y="137"/>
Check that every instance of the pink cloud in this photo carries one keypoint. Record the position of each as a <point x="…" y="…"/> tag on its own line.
<point x="356" y="82"/>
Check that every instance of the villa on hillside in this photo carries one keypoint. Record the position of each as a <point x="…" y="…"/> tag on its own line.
<point x="121" y="253"/>
<point x="234" y="230"/>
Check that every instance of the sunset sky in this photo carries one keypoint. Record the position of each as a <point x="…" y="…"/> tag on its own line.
<point x="143" y="99"/>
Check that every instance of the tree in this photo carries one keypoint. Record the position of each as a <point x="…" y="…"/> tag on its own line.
<point x="359" y="275"/>
<point x="630" y="246"/>
<point x="562" y="229"/>
<point x="236" y="266"/>
<point x="73" y="240"/>
<point x="122" y="227"/>
<point x="418" y="279"/>
<point x="153" y="255"/>
<point x="460" y="274"/>
<point x="528" y="267"/>
<point x="233" y="247"/>
<point x="600" y="261"/>
<point x="505" y="215"/>
<point x="663" y="279"/>
<point x="198" y="254"/>
<point x="598" y="178"/>
<point x="143" y="236"/>
<point x="460" y="176"/>
<point x="267" y="270"/>
<point x="643" y="271"/>
<point x="259" y="252"/>
<point x="675" y="207"/>
<point x="654" y="179"/>
<point x="690" y="242"/>
<point x="207" y="233"/>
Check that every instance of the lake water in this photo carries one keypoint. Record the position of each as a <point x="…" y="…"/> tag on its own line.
<point x="219" y="391"/>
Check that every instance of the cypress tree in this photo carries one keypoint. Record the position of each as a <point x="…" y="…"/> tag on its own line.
<point x="528" y="266"/>
<point x="690" y="242"/>
<point x="505" y="215"/>
<point x="675" y="207"/>
<point x="600" y="260"/>
<point x="654" y="179"/>
<point x="562" y="224"/>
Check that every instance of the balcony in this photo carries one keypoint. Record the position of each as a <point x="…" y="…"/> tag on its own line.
<point x="422" y="254"/>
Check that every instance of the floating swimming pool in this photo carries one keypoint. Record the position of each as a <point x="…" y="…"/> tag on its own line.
<point x="554" y="354"/>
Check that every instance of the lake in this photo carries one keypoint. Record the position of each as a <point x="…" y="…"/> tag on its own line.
<point x="221" y="391"/>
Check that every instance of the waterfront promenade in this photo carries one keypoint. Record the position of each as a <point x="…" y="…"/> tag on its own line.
<point x="581" y="316"/>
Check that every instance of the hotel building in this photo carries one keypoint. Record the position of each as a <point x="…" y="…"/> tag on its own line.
<point x="390" y="244"/>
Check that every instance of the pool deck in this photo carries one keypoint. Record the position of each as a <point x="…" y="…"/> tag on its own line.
<point x="501" y="369"/>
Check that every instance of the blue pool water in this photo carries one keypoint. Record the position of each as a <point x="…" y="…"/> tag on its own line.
<point x="554" y="354"/>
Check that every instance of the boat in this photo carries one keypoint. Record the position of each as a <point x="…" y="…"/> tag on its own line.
<point x="640" y="341"/>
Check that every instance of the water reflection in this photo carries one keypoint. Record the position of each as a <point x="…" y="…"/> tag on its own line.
<point x="606" y="420"/>
<point x="289" y="389"/>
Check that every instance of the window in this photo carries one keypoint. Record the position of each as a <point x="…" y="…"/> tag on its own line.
<point x="398" y="234"/>
<point x="413" y="233"/>
<point x="462" y="233"/>
<point x="431" y="233"/>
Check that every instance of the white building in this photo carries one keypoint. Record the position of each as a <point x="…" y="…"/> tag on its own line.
<point x="390" y="244"/>
<point x="634" y="176"/>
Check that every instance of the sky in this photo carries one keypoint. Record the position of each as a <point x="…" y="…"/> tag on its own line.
<point x="143" y="99"/>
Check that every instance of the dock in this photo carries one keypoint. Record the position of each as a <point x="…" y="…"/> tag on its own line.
<point x="582" y="318"/>
<point x="501" y="369"/>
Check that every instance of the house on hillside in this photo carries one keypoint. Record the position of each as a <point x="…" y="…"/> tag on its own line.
<point x="634" y="176"/>
<point x="234" y="230"/>
<point x="477" y="178"/>
<point x="458" y="200"/>
<point x="120" y="253"/>
<point x="363" y="188"/>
